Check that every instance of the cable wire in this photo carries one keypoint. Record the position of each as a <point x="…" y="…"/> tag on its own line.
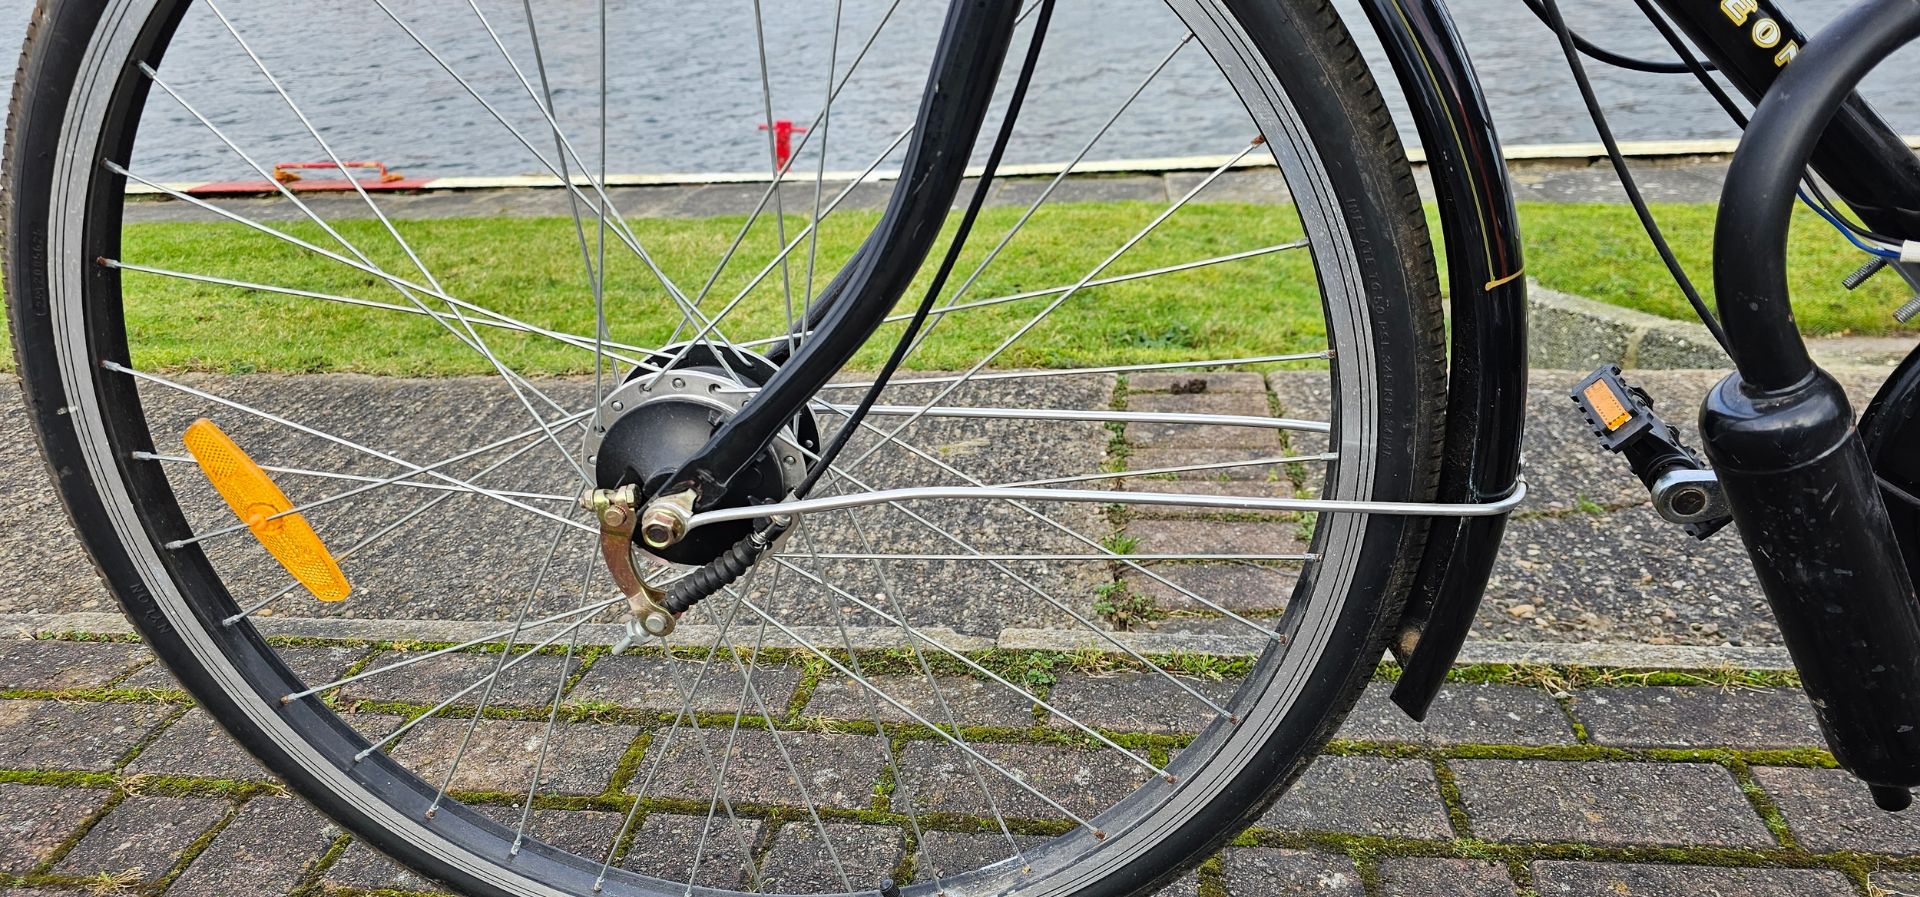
<point x="1680" y="278"/>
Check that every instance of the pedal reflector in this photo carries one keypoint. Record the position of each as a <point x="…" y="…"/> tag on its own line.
<point x="256" y="500"/>
<point x="1611" y="410"/>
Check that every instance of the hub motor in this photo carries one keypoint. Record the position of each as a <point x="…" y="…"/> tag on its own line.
<point x="655" y="422"/>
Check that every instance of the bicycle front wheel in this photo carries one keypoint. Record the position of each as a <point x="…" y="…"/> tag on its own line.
<point x="843" y="703"/>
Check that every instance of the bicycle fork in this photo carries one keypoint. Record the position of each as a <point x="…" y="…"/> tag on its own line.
<point x="1793" y="468"/>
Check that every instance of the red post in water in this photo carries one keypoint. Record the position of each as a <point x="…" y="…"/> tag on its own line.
<point x="783" y="131"/>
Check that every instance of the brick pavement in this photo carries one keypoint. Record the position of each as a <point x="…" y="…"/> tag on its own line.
<point x="1522" y="782"/>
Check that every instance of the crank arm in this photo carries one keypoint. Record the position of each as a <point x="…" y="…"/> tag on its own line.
<point x="966" y="67"/>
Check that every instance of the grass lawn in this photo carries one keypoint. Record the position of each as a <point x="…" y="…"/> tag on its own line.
<point x="532" y="269"/>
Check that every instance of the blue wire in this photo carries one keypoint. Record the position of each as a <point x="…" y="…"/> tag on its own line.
<point x="1851" y="238"/>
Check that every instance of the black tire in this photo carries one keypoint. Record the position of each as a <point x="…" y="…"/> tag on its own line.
<point x="1375" y="261"/>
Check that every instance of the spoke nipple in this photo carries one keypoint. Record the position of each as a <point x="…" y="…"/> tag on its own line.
<point x="1171" y="778"/>
<point x="1259" y="139"/>
<point x="432" y="811"/>
<point x="285" y="700"/>
<point x="1099" y="834"/>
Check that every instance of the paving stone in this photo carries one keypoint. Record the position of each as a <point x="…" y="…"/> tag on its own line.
<point x="264" y="851"/>
<point x="1156" y="457"/>
<point x="49" y="664"/>
<point x="501" y="754"/>
<point x="839" y="770"/>
<point x="973" y="702"/>
<point x="1145" y="434"/>
<point x="941" y="779"/>
<point x="1365" y="796"/>
<point x="649" y="683"/>
<point x="196" y="746"/>
<point x="89" y="736"/>
<point x="1223" y="536"/>
<point x="1236" y="403"/>
<point x="800" y="864"/>
<point x="1461" y="714"/>
<point x="1187" y="885"/>
<point x="1271" y="872"/>
<point x="1423" y="877"/>
<point x="1691" y="717"/>
<point x="1136" y="701"/>
<point x="664" y="846"/>
<point x="37" y="819"/>
<point x="1828" y="809"/>
<point x="1895" y="884"/>
<point x="1275" y="487"/>
<point x="1190" y="383"/>
<point x="1241" y="588"/>
<point x="944" y="854"/>
<point x="585" y="832"/>
<point x="314" y="664"/>
<point x="143" y="837"/>
<point x="1552" y="878"/>
<point x="529" y="683"/>
<point x="1608" y="803"/>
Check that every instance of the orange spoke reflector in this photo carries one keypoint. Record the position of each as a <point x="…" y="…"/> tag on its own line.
<point x="263" y="508"/>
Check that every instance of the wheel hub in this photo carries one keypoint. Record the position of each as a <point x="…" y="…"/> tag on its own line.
<point x="654" y="422"/>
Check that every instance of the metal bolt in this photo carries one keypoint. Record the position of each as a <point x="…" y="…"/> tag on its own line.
<point x="665" y="519"/>
<point x="657" y="623"/>
<point x="614" y="516"/>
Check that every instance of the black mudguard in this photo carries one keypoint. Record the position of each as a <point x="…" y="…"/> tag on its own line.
<point x="1487" y="376"/>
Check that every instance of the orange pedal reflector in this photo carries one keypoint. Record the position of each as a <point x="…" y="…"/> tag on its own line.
<point x="1612" y="411"/>
<point x="256" y="500"/>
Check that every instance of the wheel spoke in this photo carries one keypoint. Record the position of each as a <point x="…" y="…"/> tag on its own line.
<point x="1069" y="294"/>
<point x="340" y="441"/>
<point x="383" y="532"/>
<point x="506" y="650"/>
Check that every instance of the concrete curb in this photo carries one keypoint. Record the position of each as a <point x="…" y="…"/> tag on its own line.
<point x="1571" y="332"/>
<point x="1614" y="656"/>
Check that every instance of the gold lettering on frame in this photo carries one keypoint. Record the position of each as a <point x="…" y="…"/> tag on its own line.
<point x="1737" y="11"/>
<point x="1786" y="53"/>
<point x="1766" y="33"/>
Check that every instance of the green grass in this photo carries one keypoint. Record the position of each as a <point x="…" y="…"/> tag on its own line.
<point x="531" y="269"/>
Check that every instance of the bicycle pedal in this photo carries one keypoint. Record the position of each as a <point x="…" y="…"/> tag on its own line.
<point x="1621" y="417"/>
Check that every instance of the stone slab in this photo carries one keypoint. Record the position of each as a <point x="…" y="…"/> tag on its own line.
<point x="1827" y="809"/>
<point x="196" y="746"/>
<point x="803" y="861"/>
<point x="56" y="665"/>
<point x="1424" y="877"/>
<point x="1608" y="804"/>
<point x="35" y="820"/>
<point x="1553" y="878"/>
<point x="649" y="683"/>
<point x="1272" y="872"/>
<point x="840" y="770"/>
<point x="964" y="700"/>
<point x="1461" y="714"/>
<point x="267" y="850"/>
<point x="501" y="754"/>
<point x="1363" y="796"/>
<point x="940" y="778"/>
<point x="142" y="838"/>
<point x="49" y="735"/>
<point x="1137" y="701"/>
<point x="1697" y="717"/>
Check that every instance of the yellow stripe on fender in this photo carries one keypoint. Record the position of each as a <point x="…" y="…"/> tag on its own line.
<point x="264" y="509"/>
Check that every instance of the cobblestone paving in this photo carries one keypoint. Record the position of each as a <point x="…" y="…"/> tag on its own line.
<point x="1544" y="782"/>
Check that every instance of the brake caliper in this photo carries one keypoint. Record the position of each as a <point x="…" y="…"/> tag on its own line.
<point x="1684" y="491"/>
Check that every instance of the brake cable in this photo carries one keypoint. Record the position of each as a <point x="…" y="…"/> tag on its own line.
<point x="733" y="563"/>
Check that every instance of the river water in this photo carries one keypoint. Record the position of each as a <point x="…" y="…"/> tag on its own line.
<point x="685" y="92"/>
